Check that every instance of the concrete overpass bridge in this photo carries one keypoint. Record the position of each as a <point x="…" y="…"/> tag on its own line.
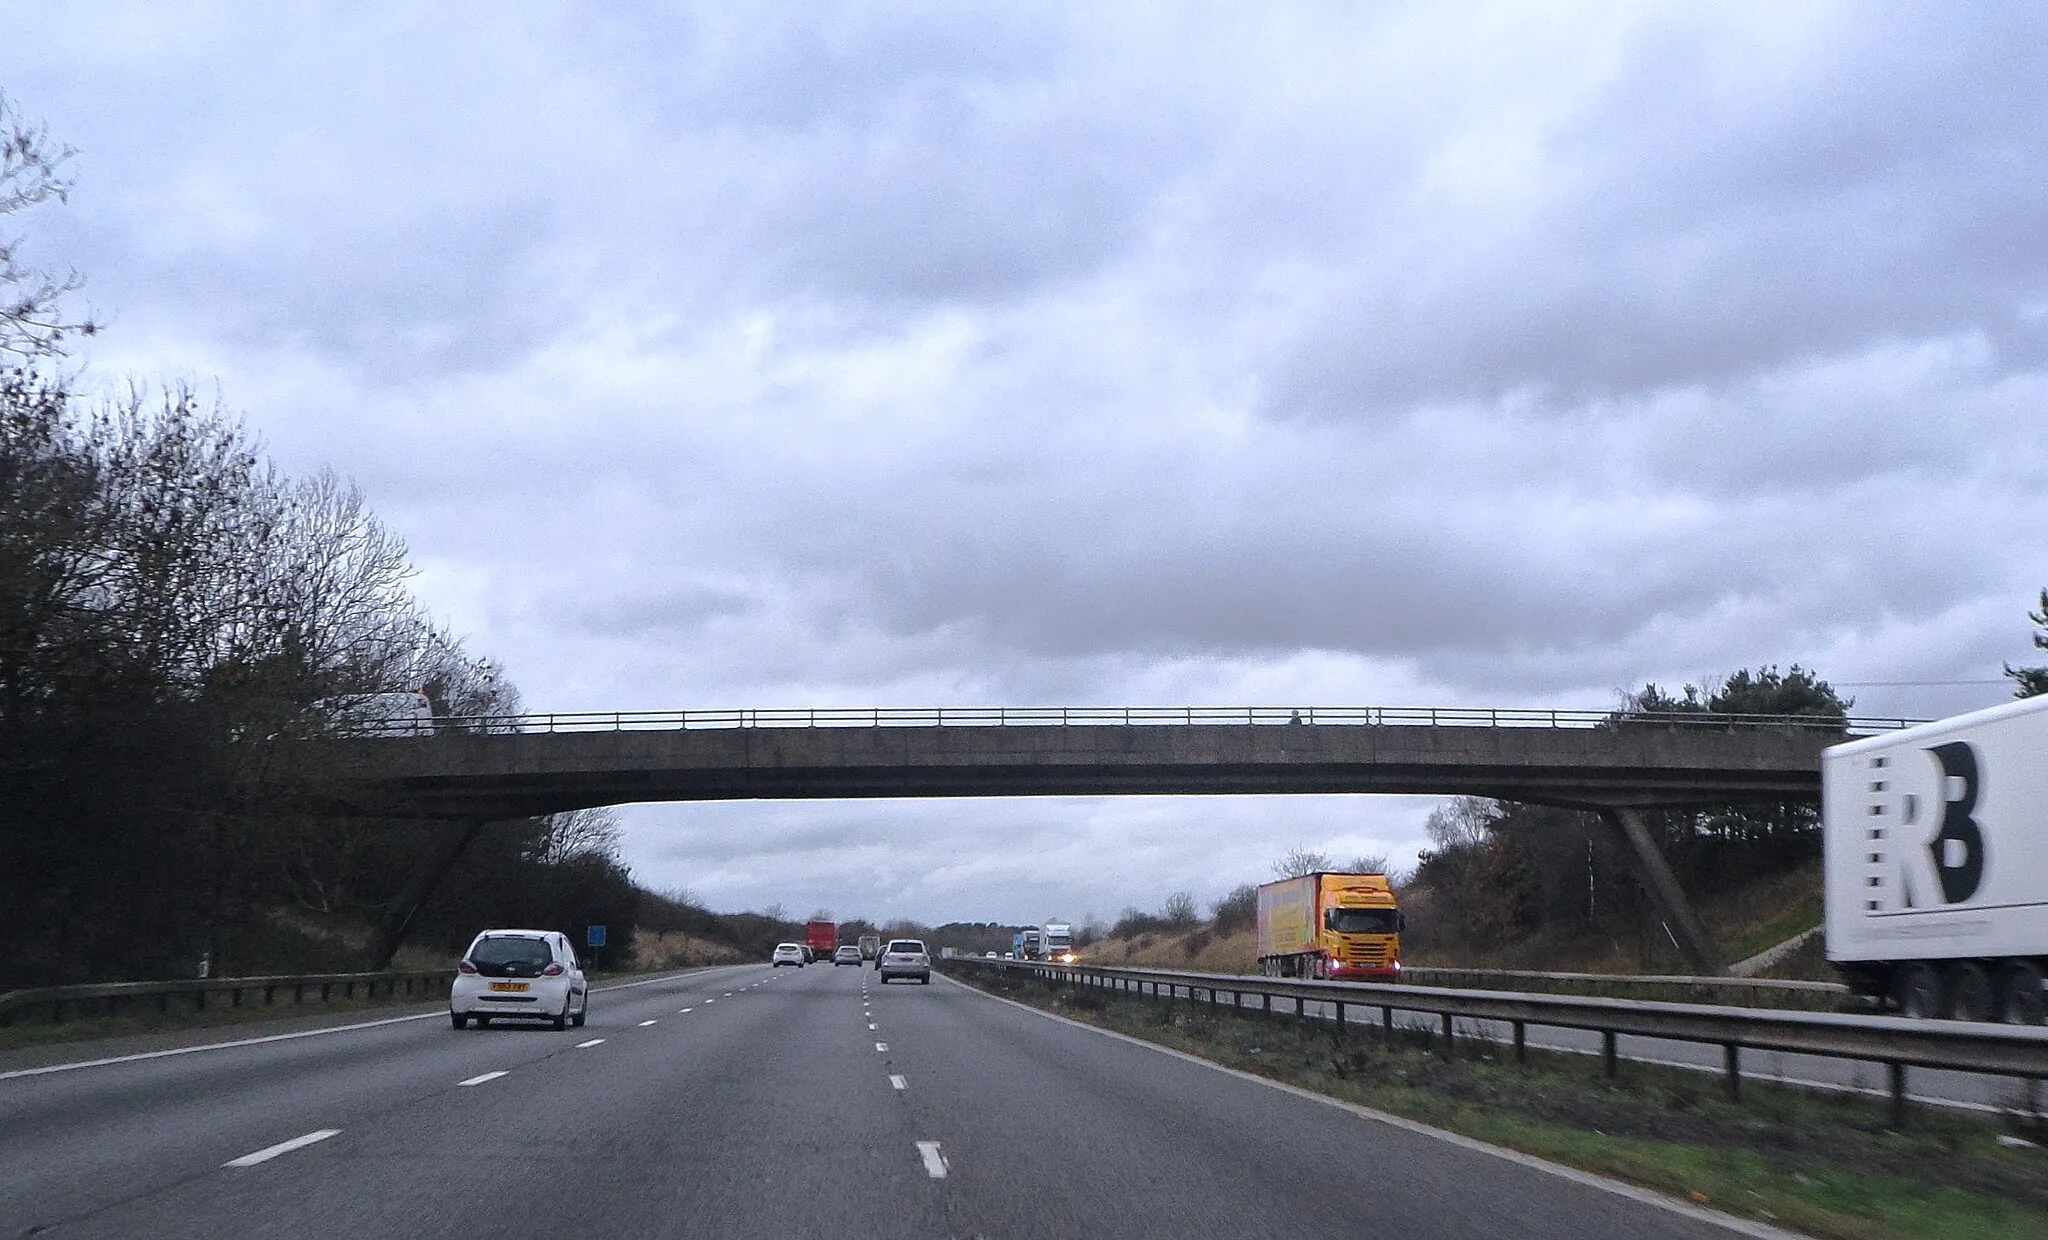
<point x="469" y="771"/>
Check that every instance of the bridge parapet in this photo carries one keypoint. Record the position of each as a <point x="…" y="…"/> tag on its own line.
<point x="1125" y="716"/>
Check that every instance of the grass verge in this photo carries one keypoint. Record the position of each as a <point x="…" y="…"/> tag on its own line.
<point x="215" y="1015"/>
<point x="1824" y="1164"/>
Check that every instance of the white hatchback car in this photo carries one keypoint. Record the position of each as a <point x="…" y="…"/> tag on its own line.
<point x="519" y="974"/>
<point x="788" y="953"/>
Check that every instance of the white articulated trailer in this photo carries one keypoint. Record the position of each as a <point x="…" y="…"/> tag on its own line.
<point x="1936" y="864"/>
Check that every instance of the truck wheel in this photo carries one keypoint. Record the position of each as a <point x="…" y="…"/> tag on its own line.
<point x="1970" y="996"/>
<point x="1917" y="991"/>
<point x="2020" y="1001"/>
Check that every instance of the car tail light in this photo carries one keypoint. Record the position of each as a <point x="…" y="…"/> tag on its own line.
<point x="467" y="967"/>
<point x="553" y="970"/>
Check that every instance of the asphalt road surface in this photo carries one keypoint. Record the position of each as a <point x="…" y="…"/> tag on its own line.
<point x="748" y="1102"/>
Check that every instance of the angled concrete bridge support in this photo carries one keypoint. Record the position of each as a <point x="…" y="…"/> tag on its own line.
<point x="451" y="841"/>
<point x="1654" y="874"/>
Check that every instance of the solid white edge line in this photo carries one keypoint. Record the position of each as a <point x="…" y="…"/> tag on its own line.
<point x="282" y="1147"/>
<point x="934" y="1162"/>
<point x="897" y="1082"/>
<point x="584" y="1046"/>
<point x="478" y="1080"/>
<point x="289" y="1037"/>
<point x="1717" y="1218"/>
<point x="218" y="1046"/>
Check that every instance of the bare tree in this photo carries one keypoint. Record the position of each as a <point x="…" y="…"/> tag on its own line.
<point x="581" y="833"/>
<point x="1462" y="822"/>
<point x="1300" y="860"/>
<point x="1179" y="910"/>
<point x="32" y="322"/>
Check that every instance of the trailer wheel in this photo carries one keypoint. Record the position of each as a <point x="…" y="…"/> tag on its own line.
<point x="2020" y="1001"/>
<point x="1917" y="991"/>
<point x="1970" y="996"/>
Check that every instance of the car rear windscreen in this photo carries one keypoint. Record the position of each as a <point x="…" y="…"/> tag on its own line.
<point x="511" y="956"/>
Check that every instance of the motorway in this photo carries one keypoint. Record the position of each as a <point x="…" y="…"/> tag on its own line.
<point x="748" y="1102"/>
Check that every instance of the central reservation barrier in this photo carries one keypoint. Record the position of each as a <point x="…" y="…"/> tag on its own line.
<point x="1897" y="1043"/>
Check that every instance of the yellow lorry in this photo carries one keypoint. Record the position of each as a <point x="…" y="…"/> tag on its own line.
<point x="1342" y="927"/>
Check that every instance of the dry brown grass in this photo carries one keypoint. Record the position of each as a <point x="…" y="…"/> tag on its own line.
<point x="653" y="950"/>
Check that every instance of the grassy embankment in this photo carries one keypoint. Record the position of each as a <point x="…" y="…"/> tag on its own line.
<point x="1822" y="1164"/>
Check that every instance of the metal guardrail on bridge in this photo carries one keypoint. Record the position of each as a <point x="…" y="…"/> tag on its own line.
<point x="1115" y="716"/>
<point x="112" y="998"/>
<point x="1896" y="1042"/>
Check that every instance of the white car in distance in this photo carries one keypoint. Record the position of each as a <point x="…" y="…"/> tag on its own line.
<point x="519" y="975"/>
<point x="788" y="953"/>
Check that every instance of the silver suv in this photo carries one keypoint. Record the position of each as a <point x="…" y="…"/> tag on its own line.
<point x="905" y="958"/>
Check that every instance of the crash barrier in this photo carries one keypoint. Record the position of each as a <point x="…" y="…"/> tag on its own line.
<point x="1896" y="1042"/>
<point x="57" y="1003"/>
<point x="1748" y="991"/>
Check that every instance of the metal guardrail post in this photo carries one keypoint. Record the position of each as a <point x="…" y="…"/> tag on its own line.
<point x="1521" y="1041"/>
<point x="1896" y="1072"/>
<point x="1731" y="1066"/>
<point x="1609" y="1060"/>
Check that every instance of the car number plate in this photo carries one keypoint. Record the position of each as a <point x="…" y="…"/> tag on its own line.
<point x="518" y="986"/>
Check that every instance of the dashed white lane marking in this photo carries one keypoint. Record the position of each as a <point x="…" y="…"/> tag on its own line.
<point x="478" y="1080"/>
<point x="726" y="995"/>
<point x="680" y="1011"/>
<point x="711" y="1001"/>
<point x="645" y="1023"/>
<point x="881" y="1046"/>
<point x="934" y="1162"/>
<point x="871" y="1026"/>
<point x="282" y="1147"/>
<point x="897" y="1082"/>
<point x="584" y="1046"/>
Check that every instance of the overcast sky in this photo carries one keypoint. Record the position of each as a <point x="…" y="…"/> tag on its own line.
<point x="782" y="355"/>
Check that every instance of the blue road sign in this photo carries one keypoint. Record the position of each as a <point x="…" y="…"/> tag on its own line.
<point x="593" y="936"/>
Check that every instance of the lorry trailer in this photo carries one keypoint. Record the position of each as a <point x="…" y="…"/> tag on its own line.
<point x="822" y="937"/>
<point x="1934" y="847"/>
<point x="1345" y="927"/>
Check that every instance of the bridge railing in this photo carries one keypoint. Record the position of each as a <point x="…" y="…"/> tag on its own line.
<point x="1116" y="716"/>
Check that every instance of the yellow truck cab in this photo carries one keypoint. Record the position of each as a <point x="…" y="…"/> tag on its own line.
<point x="1342" y="927"/>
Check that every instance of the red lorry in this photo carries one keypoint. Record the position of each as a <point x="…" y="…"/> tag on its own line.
<point x="822" y="937"/>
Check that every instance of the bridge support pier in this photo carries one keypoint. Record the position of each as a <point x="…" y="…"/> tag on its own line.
<point x="1654" y="873"/>
<point x="447" y="850"/>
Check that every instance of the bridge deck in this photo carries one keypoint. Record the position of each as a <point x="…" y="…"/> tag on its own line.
<point x="461" y="774"/>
